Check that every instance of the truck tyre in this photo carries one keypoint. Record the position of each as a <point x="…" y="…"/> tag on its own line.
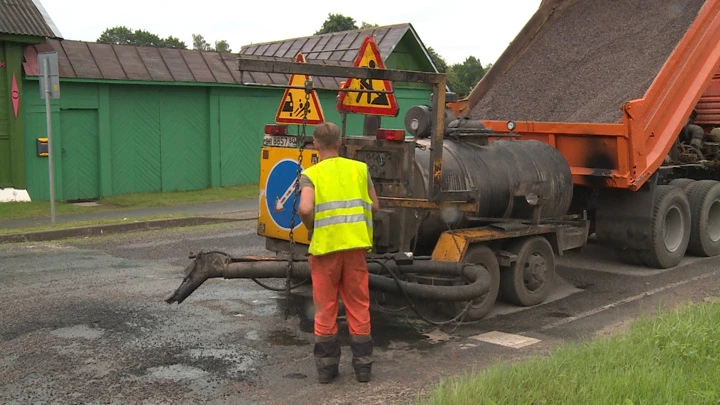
<point x="484" y="256"/>
<point x="528" y="281"/>
<point x="670" y="228"/>
<point x="684" y="184"/>
<point x="629" y="256"/>
<point x="704" y="199"/>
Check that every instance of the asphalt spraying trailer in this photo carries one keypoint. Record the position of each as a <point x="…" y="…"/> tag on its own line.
<point x="462" y="216"/>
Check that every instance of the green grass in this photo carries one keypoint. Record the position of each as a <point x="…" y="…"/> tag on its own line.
<point x="35" y="209"/>
<point x="142" y="200"/>
<point x="670" y="359"/>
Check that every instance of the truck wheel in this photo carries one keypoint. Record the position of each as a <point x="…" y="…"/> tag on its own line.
<point x="528" y="281"/>
<point x="670" y="228"/>
<point x="704" y="199"/>
<point x="483" y="256"/>
<point x="684" y="184"/>
<point x="629" y="256"/>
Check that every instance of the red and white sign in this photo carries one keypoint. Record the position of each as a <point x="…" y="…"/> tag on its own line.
<point x="368" y="102"/>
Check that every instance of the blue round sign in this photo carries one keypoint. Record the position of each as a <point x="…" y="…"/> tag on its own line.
<point x="280" y="193"/>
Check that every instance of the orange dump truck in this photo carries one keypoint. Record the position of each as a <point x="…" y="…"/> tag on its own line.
<point x="615" y="87"/>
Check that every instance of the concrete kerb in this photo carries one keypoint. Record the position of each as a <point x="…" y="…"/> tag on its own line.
<point x="136" y="225"/>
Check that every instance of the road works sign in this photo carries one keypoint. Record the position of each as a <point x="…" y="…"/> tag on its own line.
<point x="292" y="106"/>
<point x="371" y="103"/>
<point x="281" y="184"/>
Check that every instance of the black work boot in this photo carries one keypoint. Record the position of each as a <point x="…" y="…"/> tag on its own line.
<point x="327" y="358"/>
<point x="362" y="350"/>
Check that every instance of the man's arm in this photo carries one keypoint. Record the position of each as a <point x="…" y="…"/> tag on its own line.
<point x="374" y="198"/>
<point x="306" y="207"/>
<point x="373" y="194"/>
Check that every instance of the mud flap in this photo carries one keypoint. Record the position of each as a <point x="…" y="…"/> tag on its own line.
<point x="623" y="218"/>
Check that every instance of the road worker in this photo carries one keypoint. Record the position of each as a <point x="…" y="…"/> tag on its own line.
<point x="337" y="201"/>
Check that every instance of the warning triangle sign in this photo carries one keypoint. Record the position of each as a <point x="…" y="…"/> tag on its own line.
<point x="381" y="102"/>
<point x="292" y="106"/>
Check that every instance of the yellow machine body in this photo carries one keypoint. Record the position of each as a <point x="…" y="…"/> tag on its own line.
<point x="278" y="182"/>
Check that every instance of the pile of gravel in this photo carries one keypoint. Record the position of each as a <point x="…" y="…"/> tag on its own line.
<point x="593" y="58"/>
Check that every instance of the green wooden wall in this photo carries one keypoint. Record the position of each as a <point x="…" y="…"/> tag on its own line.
<point x="12" y="173"/>
<point x="111" y="139"/>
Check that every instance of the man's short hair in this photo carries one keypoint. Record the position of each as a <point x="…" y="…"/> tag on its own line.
<point x="327" y="135"/>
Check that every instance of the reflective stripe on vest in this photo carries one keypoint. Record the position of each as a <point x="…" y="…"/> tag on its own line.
<point x="358" y="202"/>
<point x="342" y="219"/>
<point x="343" y="208"/>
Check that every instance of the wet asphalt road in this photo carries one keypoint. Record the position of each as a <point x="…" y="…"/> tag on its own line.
<point x="83" y="321"/>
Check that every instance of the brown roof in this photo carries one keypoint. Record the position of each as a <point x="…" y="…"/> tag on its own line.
<point x="339" y="48"/>
<point x="90" y="60"/>
<point x="26" y="17"/>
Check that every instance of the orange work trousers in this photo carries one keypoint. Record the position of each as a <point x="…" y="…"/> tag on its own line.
<point x="344" y="273"/>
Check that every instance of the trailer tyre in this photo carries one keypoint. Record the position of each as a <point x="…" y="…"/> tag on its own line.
<point x="704" y="199"/>
<point x="483" y="256"/>
<point x="670" y="231"/>
<point x="528" y="280"/>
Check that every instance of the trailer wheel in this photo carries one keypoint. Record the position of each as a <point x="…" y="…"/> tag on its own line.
<point x="683" y="184"/>
<point x="670" y="228"/>
<point x="483" y="256"/>
<point x="704" y="199"/>
<point x="528" y="281"/>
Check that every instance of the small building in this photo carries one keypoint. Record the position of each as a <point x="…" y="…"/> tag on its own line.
<point x="22" y="23"/>
<point x="140" y="119"/>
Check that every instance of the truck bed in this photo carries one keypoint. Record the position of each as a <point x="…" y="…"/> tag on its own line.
<point x="609" y="84"/>
<point x="586" y="63"/>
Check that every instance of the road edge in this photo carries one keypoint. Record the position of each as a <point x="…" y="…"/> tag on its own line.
<point x="135" y="225"/>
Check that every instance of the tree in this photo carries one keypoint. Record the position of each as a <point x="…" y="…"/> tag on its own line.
<point x="172" y="42"/>
<point x="462" y="77"/>
<point x="200" y="44"/>
<point x="337" y="23"/>
<point x="145" y="38"/>
<point x="222" y="46"/>
<point x="117" y="35"/>
<point x="125" y="36"/>
<point x="438" y="60"/>
<point x="367" y="25"/>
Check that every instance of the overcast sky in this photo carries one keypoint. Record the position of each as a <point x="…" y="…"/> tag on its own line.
<point x="482" y="29"/>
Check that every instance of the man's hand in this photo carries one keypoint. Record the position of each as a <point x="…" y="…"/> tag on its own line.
<point x="306" y="208"/>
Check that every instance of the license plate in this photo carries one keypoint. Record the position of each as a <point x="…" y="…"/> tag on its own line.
<point x="281" y="141"/>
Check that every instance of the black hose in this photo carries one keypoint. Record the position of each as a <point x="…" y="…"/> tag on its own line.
<point x="283" y="289"/>
<point x="211" y="265"/>
<point x="247" y="259"/>
<point x="479" y="280"/>
<point x="411" y="304"/>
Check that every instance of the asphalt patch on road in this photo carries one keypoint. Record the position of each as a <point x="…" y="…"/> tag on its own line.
<point x="91" y="314"/>
<point x="386" y="328"/>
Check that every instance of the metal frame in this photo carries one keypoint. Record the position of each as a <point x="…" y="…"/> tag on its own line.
<point x="436" y="79"/>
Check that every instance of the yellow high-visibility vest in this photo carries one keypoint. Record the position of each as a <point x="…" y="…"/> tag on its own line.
<point x="343" y="207"/>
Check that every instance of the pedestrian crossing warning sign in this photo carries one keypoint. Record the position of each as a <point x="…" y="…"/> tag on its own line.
<point x="381" y="102"/>
<point x="292" y="106"/>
